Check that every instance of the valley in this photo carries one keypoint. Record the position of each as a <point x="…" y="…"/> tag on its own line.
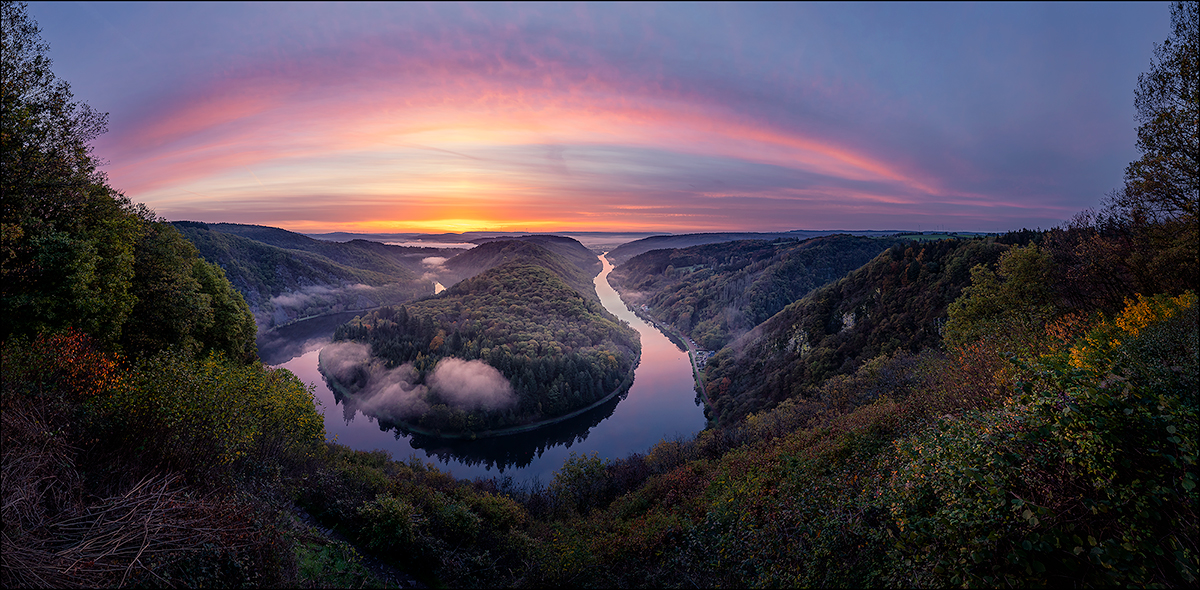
<point x="668" y="386"/>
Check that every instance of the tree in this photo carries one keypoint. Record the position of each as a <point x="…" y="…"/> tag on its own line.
<point x="67" y="236"/>
<point x="1010" y="310"/>
<point x="1164" y="185"/>
<point x="77" y="253"/>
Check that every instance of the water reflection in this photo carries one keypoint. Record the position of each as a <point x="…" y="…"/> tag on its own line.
<point x="285" y="343"/>
<point x="660" y="404"/>
<point x="500" y="453"/>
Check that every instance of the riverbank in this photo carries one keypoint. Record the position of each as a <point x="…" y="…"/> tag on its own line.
<point x="414" y="429"/>
<point x="680" y="341"/>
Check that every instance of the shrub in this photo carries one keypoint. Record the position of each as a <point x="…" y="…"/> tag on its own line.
<point x="208" y="416"/>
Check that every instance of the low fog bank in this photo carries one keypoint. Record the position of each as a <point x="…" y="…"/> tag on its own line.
<point x="398" y="394"/>
<point x="316" y="300"/>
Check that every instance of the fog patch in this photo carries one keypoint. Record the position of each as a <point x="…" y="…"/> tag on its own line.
<point x="381" y="392"/>
<point x="394" y="394"/>
<point x="469" y="385"/>
<point x="398" y="394"/>
<point x="307" y="295"/>
<point x="434" y="261"/>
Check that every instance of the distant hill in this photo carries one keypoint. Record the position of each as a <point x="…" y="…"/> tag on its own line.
<point x="628" y="250"/>
<point x="567" y="247"/>
<point x="356" y="253"/>
<point x="896" y="301"/>
<point x="566" y="257"/>
<point x="717" y="292"/>
<point x="284" y="275"/>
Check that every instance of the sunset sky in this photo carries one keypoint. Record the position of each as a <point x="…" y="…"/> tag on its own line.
<point x="633" y="117"/>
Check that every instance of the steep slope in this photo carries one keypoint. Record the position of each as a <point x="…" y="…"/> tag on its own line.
<point x="895" y="302"/>
<point x="717" y="292"/>
<point x="281" y="284"/>
<point x="360" y="254"/>
<point x="628" y="250"/>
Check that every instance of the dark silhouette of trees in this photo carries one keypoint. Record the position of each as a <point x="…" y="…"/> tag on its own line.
<point x="1165" y="183"/>
<point x="78" y="253"/>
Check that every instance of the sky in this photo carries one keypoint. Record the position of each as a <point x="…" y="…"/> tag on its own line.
<point x="389" y="117"/>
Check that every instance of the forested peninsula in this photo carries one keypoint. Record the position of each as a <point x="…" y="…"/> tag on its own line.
<point x="1014" y="410"/>
<point x="511" y="347"/>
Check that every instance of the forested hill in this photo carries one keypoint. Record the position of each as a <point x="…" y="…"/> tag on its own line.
<point x="356" y="253"/>
<point x="568" y="248"/>
<point x="534" y="346"/>
<point x="717" y="292"/>
<point x="1045" y="435"/>
<point x="628" y="250"/>
<point x="285" y="275"/>
<point x="896" y="302"/>
<point x="566" y="257"/>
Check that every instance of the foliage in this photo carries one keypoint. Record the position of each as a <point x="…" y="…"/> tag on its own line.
<point x="897" y="301"/>
<point x="76" y="515"/>
<point x="717" y="292"/>
<point x="409" y="513"/>
<point x="1076" y="478"/>
<point x="67" y="237"/>
<point x="331" y="565"/>
<point x="1164" y="183"/>
<point x="77" y="253"/>
<point x="1009" y="308"/>
<point x="559" y="350"/>
<point x="207" y="417"/>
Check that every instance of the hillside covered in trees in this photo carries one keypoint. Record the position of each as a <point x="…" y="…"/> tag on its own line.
<point x="284" y="276"/>
<point x="624" y="252"/>
<point x="717" y="292"/>
<point x="896" y="302"/>
<point x="514" y="345"/>
<point x="565" y="257"/>
<point x="1044" y="434"/>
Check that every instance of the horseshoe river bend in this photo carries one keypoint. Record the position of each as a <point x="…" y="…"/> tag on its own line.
<point x="661" y="404"/>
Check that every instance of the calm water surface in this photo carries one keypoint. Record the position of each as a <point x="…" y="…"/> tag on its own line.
<point x="660" y="404"/>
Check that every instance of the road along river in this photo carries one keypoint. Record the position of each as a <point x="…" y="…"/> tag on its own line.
<point x="660" y="404"/>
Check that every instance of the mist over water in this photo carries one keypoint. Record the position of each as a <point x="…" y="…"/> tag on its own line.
<point x="660" y="404"/>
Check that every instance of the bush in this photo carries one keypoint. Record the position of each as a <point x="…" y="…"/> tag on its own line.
<point x="207" y="417"/>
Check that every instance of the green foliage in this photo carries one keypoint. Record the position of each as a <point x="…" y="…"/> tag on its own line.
<point x="1118" y="452"/>
<point x="559" y="350"/>
<point x="184" y="301"/>
<point x="77" y="253"/>
<point x="1009" y="309"/>
<point x="334" y="564"/>
<point x="1164" y="183"/>
<point x="67" y="237"/>
<point x="209" y="416"/>
<point x="582" y="482"/>
<point x="391" y="524"/>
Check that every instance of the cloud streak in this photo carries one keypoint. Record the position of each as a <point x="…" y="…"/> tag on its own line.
<point x="394" y="117"/>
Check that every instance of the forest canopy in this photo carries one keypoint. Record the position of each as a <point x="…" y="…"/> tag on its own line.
<point x="511" y="346"/>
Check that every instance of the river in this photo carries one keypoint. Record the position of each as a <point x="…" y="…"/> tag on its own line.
<point x="660" y="404"/>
